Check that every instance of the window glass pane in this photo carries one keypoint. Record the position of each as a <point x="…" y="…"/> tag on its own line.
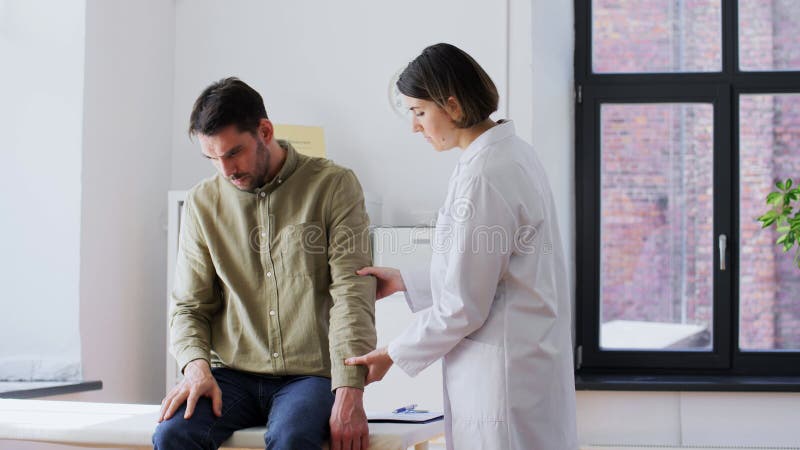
<point x="635" y="36"/>
<point x="768" y="35"/>
<point x="656" y="226"/>
<point x="769" y="288"/>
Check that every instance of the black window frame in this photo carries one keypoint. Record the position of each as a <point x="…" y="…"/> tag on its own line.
<point x="722" y="89"/>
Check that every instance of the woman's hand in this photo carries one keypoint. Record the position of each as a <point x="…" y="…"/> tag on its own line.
<point x="377" y="362"/>
<point x="389" y="280"/>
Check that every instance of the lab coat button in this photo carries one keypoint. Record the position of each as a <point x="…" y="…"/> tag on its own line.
<point x="274" y="355"/>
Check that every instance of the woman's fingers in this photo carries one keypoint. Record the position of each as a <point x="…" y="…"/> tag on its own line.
<point x="387" y="280"/>
<point x="377" y="362"/>
<point x="357" y="361"/>
<point x="377" y="272"/>
<point x="365" y="270"/>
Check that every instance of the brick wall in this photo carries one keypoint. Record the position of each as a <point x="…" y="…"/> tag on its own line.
<point x="657" y="238"/>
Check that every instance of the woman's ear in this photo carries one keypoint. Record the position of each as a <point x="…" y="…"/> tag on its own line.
<point x="453" y="109"/>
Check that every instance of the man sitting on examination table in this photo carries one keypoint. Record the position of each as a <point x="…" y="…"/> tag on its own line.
<point x="267" y="303"/>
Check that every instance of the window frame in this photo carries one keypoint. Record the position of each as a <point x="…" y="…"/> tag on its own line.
<point x="722" y="89"/>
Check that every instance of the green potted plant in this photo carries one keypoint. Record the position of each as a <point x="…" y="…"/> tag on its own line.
<point x="783" y="216"/>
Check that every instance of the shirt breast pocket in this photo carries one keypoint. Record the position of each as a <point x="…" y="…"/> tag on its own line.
<point x="303" y="249"/>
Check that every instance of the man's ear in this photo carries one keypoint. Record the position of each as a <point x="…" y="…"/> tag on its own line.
<point x="266" y="130"/>
<point x="453" y="109"/>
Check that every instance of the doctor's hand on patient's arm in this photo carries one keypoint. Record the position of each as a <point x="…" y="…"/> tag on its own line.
<point x="349" y="428"/>
<point x="389" y="280"/>
<point x="378" y="362"/>
<point x="197" y="382"/>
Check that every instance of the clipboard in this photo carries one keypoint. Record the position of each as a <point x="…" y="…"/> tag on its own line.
<point x="404" y="417"/>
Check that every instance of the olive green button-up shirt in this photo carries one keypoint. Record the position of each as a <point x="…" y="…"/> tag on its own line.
<point x="265" y="281"/>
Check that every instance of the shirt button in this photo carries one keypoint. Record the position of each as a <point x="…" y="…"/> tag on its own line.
<point x="263" y="234"/>
<point x="274" y="355"/>
<point x="280" y="181"/>
<point x="272" y="312"/>
<point x="263" y="194"/>
<point x="269" y="274"/>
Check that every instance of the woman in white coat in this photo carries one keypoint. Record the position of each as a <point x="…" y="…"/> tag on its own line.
<point x="494" y="302"/>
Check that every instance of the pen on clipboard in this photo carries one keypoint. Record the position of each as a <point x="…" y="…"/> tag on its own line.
<point x="409" y="409"/>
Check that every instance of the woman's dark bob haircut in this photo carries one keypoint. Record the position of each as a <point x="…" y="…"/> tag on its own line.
<point x="443" y="71"/>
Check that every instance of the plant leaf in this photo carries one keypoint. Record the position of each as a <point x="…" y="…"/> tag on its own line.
<point x="775" y="199"/>
<point x="771" y="214"/>
<point x="767" y="221"/>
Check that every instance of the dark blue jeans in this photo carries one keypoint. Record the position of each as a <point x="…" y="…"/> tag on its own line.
<point x="295" y="409"/>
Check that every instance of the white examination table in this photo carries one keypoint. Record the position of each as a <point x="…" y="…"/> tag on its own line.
<point x="131" y="426"/>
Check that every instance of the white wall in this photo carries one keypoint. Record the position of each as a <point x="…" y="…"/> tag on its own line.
<point x="126" y="169"/>
<point x="690" y="419"/>
<point x="330" y="64"/>
<point x="552" y="80"/>
<point x="41" y="87"/>
<point x="126" y="105"/>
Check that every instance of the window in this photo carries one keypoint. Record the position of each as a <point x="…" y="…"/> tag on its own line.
<point x="688" y="112"/>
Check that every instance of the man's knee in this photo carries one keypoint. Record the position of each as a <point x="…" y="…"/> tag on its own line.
<point x="297" y="431"/>
<point x="177" y="433"/>
<point x="293" y="438"/>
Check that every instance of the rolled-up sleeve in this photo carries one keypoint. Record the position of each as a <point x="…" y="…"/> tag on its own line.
<point x="352" y="317"/>
<point x="194" y="297"/>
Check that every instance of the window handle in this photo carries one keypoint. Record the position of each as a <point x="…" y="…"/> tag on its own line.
<point x="723" y="243"/>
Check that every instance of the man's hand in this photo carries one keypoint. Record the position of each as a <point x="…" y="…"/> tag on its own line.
<point x="197" y="382"/>
<point x="349" y="429"/>
<point x="378" y="362"/>
<point x="389" y="280"/>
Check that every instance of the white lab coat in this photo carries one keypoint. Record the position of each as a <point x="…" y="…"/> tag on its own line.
<point x="495" y="304"/>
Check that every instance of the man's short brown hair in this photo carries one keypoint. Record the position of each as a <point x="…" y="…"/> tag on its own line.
<point x="229" y="101"/>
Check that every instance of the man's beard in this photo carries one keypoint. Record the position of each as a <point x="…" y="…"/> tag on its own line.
<point x="259" y="177"/>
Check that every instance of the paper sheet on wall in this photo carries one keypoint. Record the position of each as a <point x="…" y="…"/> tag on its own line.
<point x="305" y="139"/>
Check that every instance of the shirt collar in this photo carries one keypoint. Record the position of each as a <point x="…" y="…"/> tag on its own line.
<point x="503" y="129"/>
<point x="289" y="164"/>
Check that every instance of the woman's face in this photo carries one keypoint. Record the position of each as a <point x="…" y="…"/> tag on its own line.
<point x="433" y="122"/>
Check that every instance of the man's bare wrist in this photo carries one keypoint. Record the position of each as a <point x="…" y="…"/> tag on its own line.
<point x="350" y="391"/>
<point x="197" y="368"/>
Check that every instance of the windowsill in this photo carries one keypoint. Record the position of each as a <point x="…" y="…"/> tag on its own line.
<point x="687" y="383"/>
<point x="33" y="389"/>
